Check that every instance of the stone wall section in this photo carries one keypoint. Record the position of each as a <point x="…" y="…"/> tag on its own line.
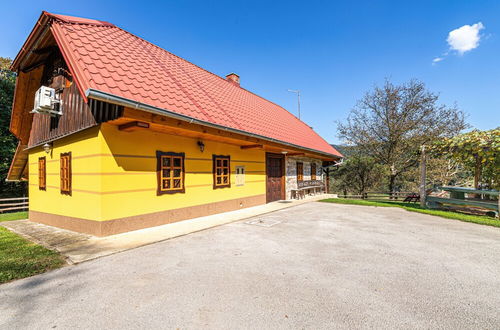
<point x="291" y="172"/>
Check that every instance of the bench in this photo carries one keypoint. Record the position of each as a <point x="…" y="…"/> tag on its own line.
<point x="304" y="187"/>
<point x="413" y="197"/>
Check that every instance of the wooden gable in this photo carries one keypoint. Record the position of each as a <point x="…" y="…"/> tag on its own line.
<point x="41" y="62"/>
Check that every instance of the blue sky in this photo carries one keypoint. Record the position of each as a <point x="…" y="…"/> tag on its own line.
<point x="333" y="51"/>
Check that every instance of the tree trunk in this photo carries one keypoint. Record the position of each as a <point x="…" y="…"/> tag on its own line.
<point x="392" y="180"/>
<point x="477" y="174"/>
<point x="423" y="173"/>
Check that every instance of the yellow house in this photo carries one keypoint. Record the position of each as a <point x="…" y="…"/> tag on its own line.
<point x="116" y="134"/>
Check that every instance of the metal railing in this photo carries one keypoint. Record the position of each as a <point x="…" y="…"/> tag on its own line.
<point x="14" y="204"/>
<point x="468" y="198"/>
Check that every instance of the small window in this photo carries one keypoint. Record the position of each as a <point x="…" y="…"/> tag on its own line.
<point x="42" y="173"/>
<point x="300" y="171"/>
<point x="222" y="171"/>
<point x="240" y="175"/>
<point x="170" y="169"/>
<point x="313" y="171"/>
<point x="66" y="173"/>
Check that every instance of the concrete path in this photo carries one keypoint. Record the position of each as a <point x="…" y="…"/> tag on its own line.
<point x="313" y="266"/>
<point x="77" y="247"/>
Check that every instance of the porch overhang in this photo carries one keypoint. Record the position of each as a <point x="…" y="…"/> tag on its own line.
<point x="18" y="170"/>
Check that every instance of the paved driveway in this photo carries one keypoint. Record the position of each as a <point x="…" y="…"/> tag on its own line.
<point x="323" y="266"/>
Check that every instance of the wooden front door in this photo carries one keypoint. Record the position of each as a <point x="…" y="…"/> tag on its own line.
<point x="275" y="184"/>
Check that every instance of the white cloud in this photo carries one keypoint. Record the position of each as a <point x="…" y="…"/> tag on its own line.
<point x="437" y="59"/>
<point x="462" y="40"/>
<point x="465" y="38"/>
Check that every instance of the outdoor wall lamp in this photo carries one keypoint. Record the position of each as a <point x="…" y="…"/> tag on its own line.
<point x="201" y="145"/>
<point x="47" y="147"/>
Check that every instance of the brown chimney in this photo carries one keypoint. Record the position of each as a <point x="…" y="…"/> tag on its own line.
<point x="233" y="78"/>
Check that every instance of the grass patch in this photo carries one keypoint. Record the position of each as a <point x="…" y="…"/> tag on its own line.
<point x="413" y="207"/>
<point x="21" y="258"/>
<point x="13" y="216"/>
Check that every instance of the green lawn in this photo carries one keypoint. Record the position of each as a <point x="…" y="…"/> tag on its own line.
<point x="21" y="258"/>
<point x="13" y="216"/>
<point x="414" y="207"/>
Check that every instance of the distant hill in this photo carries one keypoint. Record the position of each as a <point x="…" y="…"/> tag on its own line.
<point x="347" y="151"/>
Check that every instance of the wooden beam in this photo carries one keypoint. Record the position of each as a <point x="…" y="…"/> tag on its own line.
<point x="250" y="146"/>
<point x="172" y="126"/>
<point x="33" y="66"/>
<point x="295" y="154"/>
<point x="133" y="126"/>
<point x="44" y="50"/>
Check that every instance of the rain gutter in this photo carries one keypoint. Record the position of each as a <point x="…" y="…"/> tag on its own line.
<point x="118" y="100"/>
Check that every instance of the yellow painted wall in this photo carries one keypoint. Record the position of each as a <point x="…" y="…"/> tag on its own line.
<point x="114" y="174"/>
<point x="85" y="201"/>
<point x="133" y="167"/>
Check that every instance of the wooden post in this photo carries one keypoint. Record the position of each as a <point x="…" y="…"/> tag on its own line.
<point x="327" y="180"/>
<point x="422" y="176"/>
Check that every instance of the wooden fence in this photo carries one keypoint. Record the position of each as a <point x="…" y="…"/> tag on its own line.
<point x="13" y="204"/>
<point x="380" y="195"/>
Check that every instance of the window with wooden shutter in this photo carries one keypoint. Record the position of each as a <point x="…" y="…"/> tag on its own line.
<point x="42" y="173"/>
<point x="170" y="169"/>
<point x="222" y="171"/>
<point x="313" y="171"/>
<point x="66" y="173"/>
<point x="300" y="171"/>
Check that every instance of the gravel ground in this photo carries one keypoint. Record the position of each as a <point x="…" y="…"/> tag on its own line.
<point x="313" y="266"/>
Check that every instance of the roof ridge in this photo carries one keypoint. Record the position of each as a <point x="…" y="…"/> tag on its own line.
<point x="77" y="20"/>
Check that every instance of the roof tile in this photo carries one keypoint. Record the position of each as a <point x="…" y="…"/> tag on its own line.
<point x="120" y="63"/>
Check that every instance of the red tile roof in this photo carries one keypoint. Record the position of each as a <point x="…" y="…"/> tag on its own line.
<point x="106" y="58"/>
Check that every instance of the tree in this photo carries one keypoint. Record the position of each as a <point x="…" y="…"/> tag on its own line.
<point x="478" y="151"/>
<point x="391" y="122"/>
<point x="357" y="174"/>
<point x="442" y="171"/>
<point x="8" y="142"/>
<point x="5" y="63"/>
